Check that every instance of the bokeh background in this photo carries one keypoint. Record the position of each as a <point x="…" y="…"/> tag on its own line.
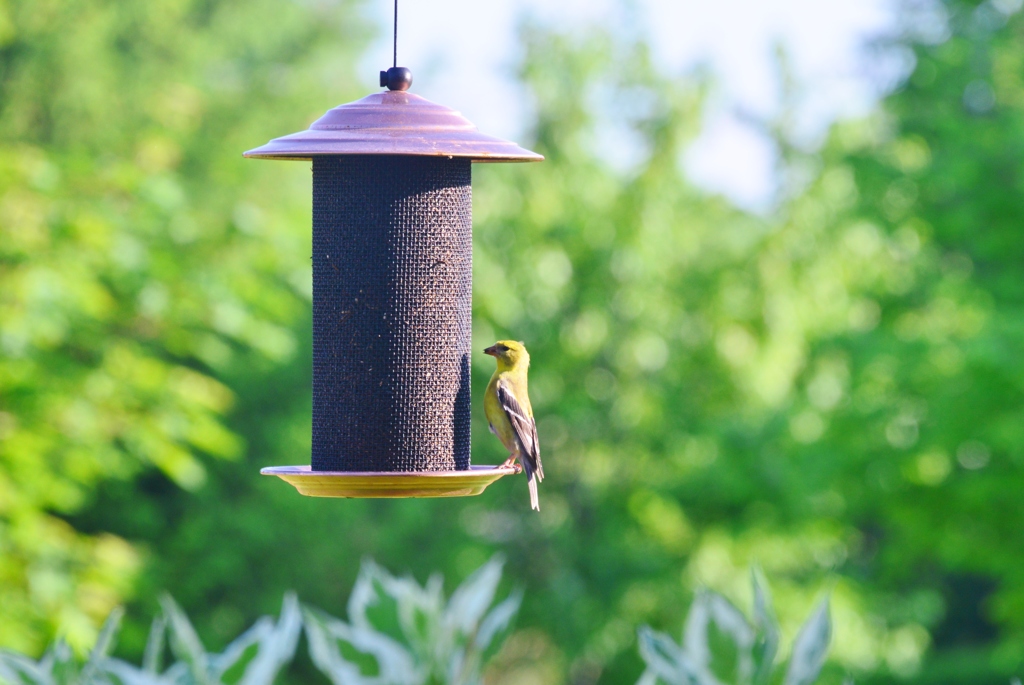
<point x="823" y="378"/>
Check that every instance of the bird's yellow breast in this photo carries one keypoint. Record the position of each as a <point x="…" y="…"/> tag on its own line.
<point x="496" y="416"/>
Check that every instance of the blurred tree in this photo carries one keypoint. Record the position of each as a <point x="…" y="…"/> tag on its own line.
<point x="663" y="391"/>
<point x="833" y="389"/>
<point x="934" y="425"/>
<point x="137" y="258"/>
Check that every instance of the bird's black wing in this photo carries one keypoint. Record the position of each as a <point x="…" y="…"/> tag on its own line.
<point x="525" y="429"/>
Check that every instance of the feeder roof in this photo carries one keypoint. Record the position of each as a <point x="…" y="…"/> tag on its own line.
<point x="393" y="123"/>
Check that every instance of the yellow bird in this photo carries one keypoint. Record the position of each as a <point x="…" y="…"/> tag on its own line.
<point x="508" y="411"/>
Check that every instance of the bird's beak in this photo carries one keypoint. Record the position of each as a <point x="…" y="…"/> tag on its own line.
<point x="492" y="350"/>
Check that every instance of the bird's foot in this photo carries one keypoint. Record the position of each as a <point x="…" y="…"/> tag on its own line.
<point x="511" y="462"/>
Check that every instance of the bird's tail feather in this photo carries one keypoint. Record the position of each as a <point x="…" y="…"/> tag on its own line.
<point x="534" y="502"/>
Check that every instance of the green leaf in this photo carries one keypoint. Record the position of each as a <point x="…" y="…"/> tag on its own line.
<point x="59" y="663"/>
<point x="498" y="620"/>
<point x="810" y="647"/>
<point x="395" y="664"/>
<point x="105" y="640"/>
<point x="238" y="648"/>
<point x="185" y="642"/>
<point x="104" y="643"/>
<point x="127" y="674"/>
<point x="420" y="610"/>
<point x="712" y="609"/>
<point x="276" y="645"/>
<point x="364" y="592"/>
<point x="434" y="641"/>
<point x="666" y="660"/>
<point x="16" y="669"/>
<point x="470" y="600"/>
<point x="151" y="659"/>
<point x="766" y="642"/>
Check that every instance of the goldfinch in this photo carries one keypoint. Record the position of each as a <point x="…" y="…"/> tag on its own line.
<point x="508" y="411"/>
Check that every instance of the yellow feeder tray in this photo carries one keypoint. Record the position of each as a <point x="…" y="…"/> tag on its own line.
<point x="389" y="483"/>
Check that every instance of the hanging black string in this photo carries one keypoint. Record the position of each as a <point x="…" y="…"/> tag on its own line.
<point x="395" y="78"/>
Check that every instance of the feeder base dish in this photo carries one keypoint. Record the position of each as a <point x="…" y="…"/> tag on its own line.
<point x="389" y="484"/>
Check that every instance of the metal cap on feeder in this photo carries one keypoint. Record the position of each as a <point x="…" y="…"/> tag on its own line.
<point x="392" y="295"/>
<point x="394" y="122"/>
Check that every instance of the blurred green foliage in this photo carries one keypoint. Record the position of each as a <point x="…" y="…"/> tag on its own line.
<point x="401" y="633"/>
<point x="720" y="645"/>
<point x="254" y="658"/>
<point x="137" y="260"/>
<point x="398" y="633"/>
<point x="832" y="390"/>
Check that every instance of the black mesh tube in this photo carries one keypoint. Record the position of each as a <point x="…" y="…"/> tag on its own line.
<point x="392" y="290"/>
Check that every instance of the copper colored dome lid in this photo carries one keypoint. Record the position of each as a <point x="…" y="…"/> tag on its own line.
<point x="393" y="122"/>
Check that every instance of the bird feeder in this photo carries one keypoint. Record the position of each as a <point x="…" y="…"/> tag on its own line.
<point x="392" y="295"/>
